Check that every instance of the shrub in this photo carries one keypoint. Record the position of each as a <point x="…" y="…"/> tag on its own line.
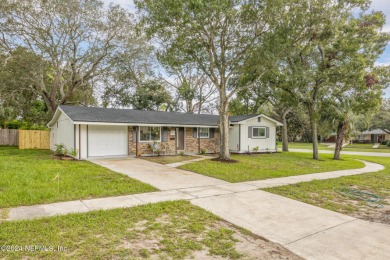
<point x="203" y="151"/>
<point x="181" y="153"/>
<point x="384" y="142"/>
<point x="388" y="143"/>
<point x="73" y="153"/>
<point x="59" y="149"/>
<point x="255" y="149"/>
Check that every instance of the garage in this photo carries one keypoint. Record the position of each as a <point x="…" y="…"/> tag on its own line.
<point x="107" y="140"/>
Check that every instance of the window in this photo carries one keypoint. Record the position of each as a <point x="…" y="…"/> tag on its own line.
<point x="258" y="132"/>
<point x="203" y="132"/>
<point x="149" y="133"/>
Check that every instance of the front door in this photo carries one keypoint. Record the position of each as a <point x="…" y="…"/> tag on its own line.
<point x="180" y="138"/>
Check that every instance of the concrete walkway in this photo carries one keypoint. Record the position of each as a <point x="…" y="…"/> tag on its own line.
<point x="160" y="176"/>
<point x="376" y="146"/>
<point x="375" y="154"/>
<point x="309" y="231"/>
<point x="189" y="161"/>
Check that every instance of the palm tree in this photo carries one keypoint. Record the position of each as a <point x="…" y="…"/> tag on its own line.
<point x="343" y="120"/>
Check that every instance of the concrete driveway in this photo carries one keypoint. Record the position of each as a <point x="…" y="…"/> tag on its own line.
<point x="160" y="176"/>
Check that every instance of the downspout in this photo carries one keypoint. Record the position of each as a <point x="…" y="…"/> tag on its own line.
<point x="79" y="142"/>
<point x="87" y="143"/>
<point x="136" y="141"/>
<point x="239" y="137"/>
<point x="197" y="132"/>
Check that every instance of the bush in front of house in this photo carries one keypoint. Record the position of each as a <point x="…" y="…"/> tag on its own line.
<point x="384" y="142"/>
<point x="388" y="143"/>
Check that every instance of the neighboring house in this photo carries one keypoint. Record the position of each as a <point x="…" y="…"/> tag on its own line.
<point x="373" y="136"/>
<point x="105" y="132"/>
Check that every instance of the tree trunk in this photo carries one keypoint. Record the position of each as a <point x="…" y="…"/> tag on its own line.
<point x="284" y="131"/>
<point x="224" y="153"/>
<point x="341" y="129"/>
<point x="314" y="130"/>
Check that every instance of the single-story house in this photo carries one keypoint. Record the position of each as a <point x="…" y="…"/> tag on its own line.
<point x="105" y="132"/>
<point x="373" y="136"/>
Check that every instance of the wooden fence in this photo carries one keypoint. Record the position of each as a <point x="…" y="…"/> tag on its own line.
<point x="9" y="137"/>
<point x="34" y="139"/>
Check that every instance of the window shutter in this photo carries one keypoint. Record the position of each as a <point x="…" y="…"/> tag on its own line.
<point x="195" y="132"/>
<point x="134" y="134"/>
<point x="164" y="137"/>
<point x="267" y="132"/>
<point x="259" y="119"/>
<point x="250" y="131"/>
<point x="211" y="132"/>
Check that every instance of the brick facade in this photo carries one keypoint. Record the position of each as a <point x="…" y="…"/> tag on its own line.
<point x="211" y="145"/>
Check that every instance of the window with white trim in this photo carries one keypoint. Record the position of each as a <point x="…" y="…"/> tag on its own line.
<point x="203" y="132"/>
<point x="258" y="132"/>
<point x="149" y="133"/>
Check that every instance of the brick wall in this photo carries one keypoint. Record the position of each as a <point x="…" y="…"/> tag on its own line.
<point x="210" y="144"/>
<point x="144" y="147"/>
<point x="191" y="144"/>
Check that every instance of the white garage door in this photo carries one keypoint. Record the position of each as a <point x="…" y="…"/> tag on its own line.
<point x="107" y="140"/>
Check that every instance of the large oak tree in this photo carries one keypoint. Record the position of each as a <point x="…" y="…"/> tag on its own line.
<point x="77" y="40"/>
<point x="216" y="35"/>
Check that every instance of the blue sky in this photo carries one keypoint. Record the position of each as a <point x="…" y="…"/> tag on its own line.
<point x="377" y="5"/>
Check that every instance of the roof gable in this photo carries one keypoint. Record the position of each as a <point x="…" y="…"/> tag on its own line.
<point x="243" y="118"/>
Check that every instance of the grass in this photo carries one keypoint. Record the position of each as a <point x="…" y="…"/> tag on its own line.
<point x="29" y="177"/>
<point x="325" y="193"/>
<point x="302" y="145"/>
<point x="169" y="158"/>
<point x="167" y="230"/>
<point x="265" y="166"/>
<point x="366" y="148"/>
<point x="352" y="148"/>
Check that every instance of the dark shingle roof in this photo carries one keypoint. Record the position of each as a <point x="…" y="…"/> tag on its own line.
<point x="240" y="118"/>
<point x="113" y="115"/>
<point x="374" y="132"/>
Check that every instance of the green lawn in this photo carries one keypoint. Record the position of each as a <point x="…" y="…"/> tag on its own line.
<point x="167" y="230"/>
<point x="366" y="148"/>
<point x="169" y="158"/>
<point x="29" y="177"/>
<point x="351" y="148"/>
<point x="265" y="166"/>
<point x="326" y="193"/>
<point x="302" y="145"/>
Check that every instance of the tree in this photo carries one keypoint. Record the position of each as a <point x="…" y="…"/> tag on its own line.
<point x="381" y="119"/>
<point x="17" y="92"/>
<point x="194" y="91"/>
<point x="76" y="39"/>
<point x="326" y="54"/>
<point x="215" y="35"/>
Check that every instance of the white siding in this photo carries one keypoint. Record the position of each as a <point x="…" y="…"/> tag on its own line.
<point x="265" y="144"/>
<point x="234" y="138"/>
<point x="62" y="132"/>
